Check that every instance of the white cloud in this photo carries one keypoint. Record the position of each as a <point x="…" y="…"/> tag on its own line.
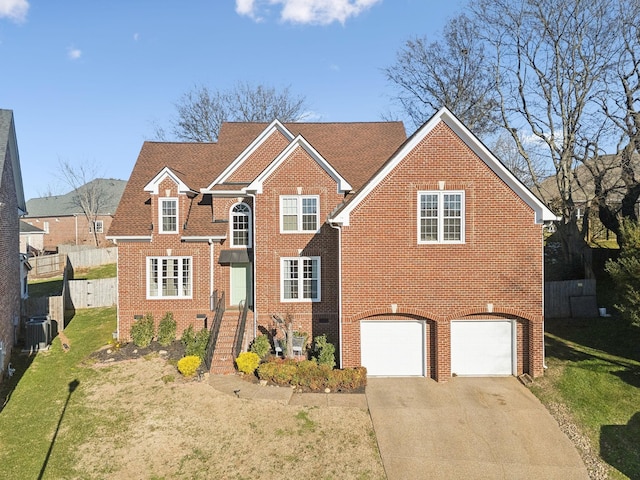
<point x="74" y="53"/>
<point x="136" y="37"/>
<point x="15" y="10"/>
<point x="314" y="12"/>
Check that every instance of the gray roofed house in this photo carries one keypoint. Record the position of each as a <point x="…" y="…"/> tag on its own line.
<point x="57" y="205"/>
<point x="31" y="239"/>
<point x="64" y="222"/>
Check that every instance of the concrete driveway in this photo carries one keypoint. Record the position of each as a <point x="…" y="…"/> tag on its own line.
<point x="471" y="428"/>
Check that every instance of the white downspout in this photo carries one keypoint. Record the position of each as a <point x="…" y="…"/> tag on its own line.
<point x="211" y="283"/>
<point x="544" y="353"/>
<point x="339" y="229"/>
<point x="253" y="264"/>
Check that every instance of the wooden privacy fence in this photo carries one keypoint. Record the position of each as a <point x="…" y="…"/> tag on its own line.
<point x="48" y="265"/>
<point x="570" y="299"/>
<point x="92" y="293"/>
<point x="93" y="257"/>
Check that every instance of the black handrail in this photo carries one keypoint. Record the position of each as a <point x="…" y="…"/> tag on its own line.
<point x="237" y="343"/>
<point x="215" y="330"/>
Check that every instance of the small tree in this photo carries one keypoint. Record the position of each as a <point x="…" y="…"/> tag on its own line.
<point x="625" y="272"/>
<point x="90" y="195"/>
<point x="286" y="327"/>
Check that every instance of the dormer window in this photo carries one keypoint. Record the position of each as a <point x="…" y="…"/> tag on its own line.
<point x="240" y="225"/>
<point x="168" y="215"/>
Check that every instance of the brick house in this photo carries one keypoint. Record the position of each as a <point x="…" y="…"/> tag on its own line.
<point x="398" y="249"/>
<point x="12" y="206"/>
<point x="64" y="222"/>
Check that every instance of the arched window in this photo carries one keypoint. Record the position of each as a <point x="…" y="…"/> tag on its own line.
<point x="240" y="225"/>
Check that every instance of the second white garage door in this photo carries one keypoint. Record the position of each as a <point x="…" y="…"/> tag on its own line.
<point x="393" y="348"/>
<point x="482" y="347"/>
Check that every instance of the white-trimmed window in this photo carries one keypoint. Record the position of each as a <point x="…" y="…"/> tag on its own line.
<point x="168" y="215"/>
<point x="169" y="277"/>
<point x="441" y="216"/>
<point x="300" y="279"/>
<point x="299" y="213"/>
<point x="240" y="225"/>
<point x="96" y="227"/>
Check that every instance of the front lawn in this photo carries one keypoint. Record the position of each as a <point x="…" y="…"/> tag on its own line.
<point x="70" y="417"/>
<point x="594" y="371"/>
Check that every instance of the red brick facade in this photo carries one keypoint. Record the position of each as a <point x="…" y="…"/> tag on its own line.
<point x="444" y="282"/>
<point x="9" y="262"/>
<point x="372" y="265"/>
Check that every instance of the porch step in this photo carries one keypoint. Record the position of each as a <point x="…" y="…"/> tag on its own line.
<point x="223" y="361"/>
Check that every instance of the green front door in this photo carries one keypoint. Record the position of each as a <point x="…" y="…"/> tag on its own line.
<point x="241" y="285"/>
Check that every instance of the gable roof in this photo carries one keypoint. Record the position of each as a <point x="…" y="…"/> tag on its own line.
<point x="9" y="155"/>
<point x="582" y="181"/>
<point x="299" y="142"/>
<point x="542" y="213"/>
<point x="30" y="229"/>
<point x="63" y="205"/>
<point x="351" y="152"/>
<point x="354" y="150"/>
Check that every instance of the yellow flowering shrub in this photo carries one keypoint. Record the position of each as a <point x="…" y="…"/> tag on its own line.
<point x="247" y="362"/>
<point x="188" y="366"/>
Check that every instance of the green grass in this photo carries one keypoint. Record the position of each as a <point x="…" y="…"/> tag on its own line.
<point x="44" y="419"/>
<point x="43" y="287"/>
<point x="95" y="273"/>
<point x="594" y="369"/>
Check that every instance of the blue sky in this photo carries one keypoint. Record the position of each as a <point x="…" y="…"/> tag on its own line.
<point x="87" y="80"/>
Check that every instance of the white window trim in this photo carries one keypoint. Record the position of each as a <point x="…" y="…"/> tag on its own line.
<point x="440" y="194"/>
<point x="232" y="230"/>
<point x="300" y="280"/>
<point x="96" y="226"/>
<point x="180" y="277"/>
<point x="299" y="210"/>
<point x="160" y="223"/>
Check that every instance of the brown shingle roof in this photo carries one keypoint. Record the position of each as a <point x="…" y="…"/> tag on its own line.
<point x="355" y="150"/>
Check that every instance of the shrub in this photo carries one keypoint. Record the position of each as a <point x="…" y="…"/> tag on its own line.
<point x="261" y="346"/>
<point x="625" y="272"/>
<point x="247" y="362"/>
<point x="324" y="351"/>
<point x="143" y="331"/>
<point x="166" y="330"/>
<point x="188" y="366"/>
<point x="195" y="343"/>
<point x="308" y="373"/>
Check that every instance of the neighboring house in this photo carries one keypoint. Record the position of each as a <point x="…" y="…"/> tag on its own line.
<point x="31" y="239"/>
<point x="12" y="207"/>
<point x="583" y="190"/>
<point x="64" y="222"/>
<point x="419" y="256"/>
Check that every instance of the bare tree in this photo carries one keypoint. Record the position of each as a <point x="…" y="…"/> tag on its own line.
<point x="451" y="72"/>
<point x="530" y="172"/>
<point x="89" y="194"/>
<point x="201" y="111"/>
<point x="552" y="59"/>
<point x="546" y="67"/>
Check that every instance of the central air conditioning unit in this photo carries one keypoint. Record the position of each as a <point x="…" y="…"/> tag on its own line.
<point x="38" y="333"/>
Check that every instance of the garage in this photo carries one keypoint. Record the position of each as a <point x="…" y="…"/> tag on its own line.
<point x="482" y="348"/>
<point x="391" y="348"/>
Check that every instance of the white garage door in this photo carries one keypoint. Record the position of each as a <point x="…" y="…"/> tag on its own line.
<point x="393" y="348"/>
<point x="482" y="347"/>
